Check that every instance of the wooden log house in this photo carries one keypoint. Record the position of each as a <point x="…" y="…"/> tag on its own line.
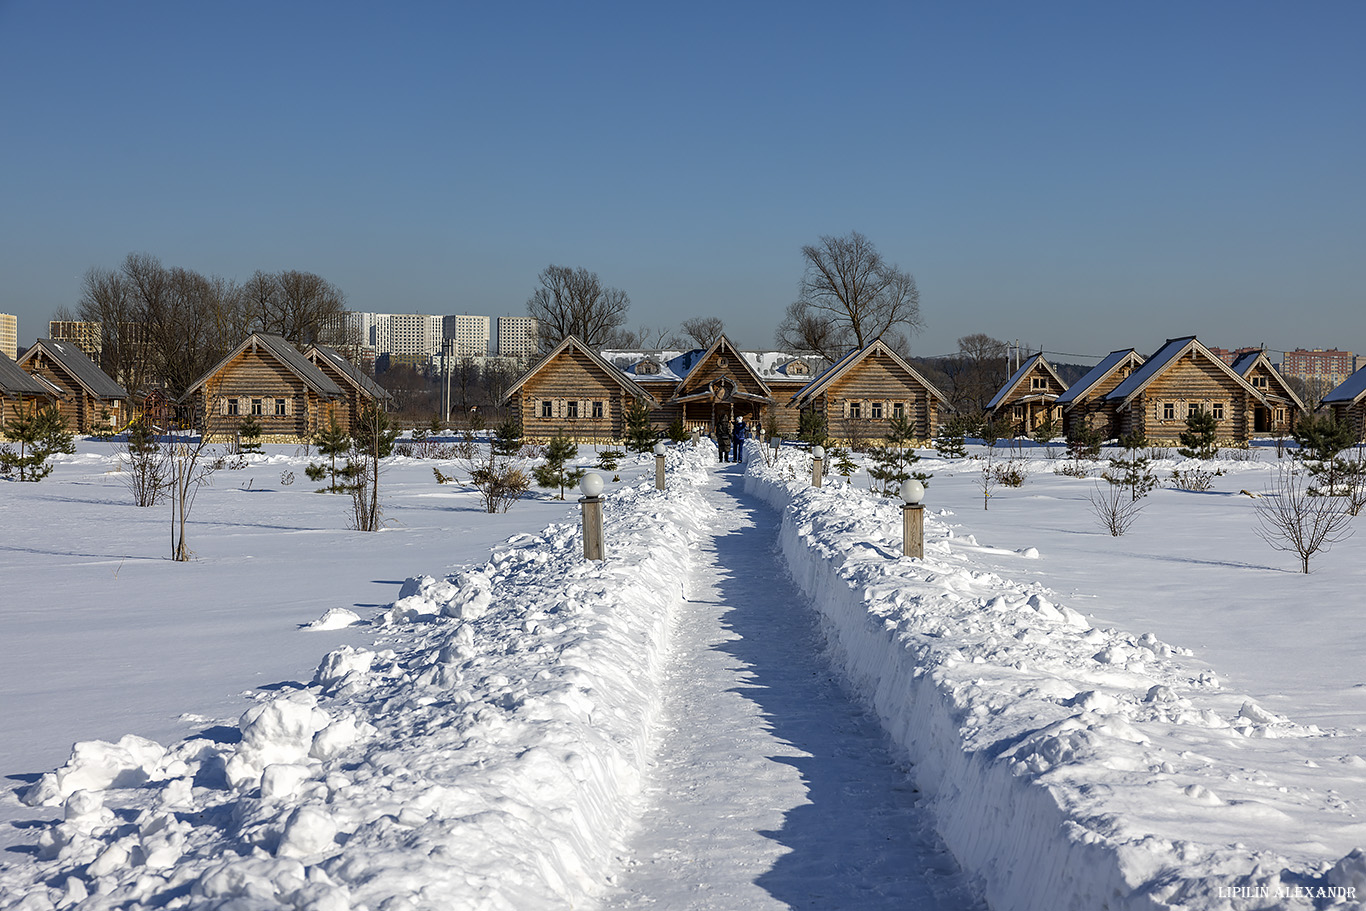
<point x="1084" y="404"/>
<point x="1347" y="403"/>
<point x="1283" y="409"/>
<point x="266" y="378"/>
<point x="21" y="392"/>
<point x="1029" y="396"/>
<point x="573" y="391"/>
<point x="358" y="390"/>
<point x="861" y="393"/>
<point x="90" y="401"/>
<point x="1181" y="377"/>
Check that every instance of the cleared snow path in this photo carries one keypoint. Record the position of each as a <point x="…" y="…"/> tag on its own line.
<point x="770" y="788"/>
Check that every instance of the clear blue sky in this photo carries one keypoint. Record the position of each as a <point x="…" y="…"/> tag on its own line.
<point x="1082" y="176"/>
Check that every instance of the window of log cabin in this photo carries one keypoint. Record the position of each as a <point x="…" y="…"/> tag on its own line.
<point x="1218" y="409"/>
<point x="876" y="411"/>
<point x="573" y="410"/>
<point x="1038" y="382"/>
<point x="1259" y="382"/>
<point x="547" y="408"/>
<point x="1280" y="415"/>
<point x="258" y="407"/>
<point x="279" y="407"/>
<point x="898" y="410"/>
<point x="856" y="410"/>
<point x="1168" y="411"/>
<point x="597" y="411"/>
<point x="232" y="406"/>
<point x="1192" y="409"/>
<point x="1019" y="412"/>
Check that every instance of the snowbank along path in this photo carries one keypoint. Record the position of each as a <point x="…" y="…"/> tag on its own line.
<point x="769" y="787"/>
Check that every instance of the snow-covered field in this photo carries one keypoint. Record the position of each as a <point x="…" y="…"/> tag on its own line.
<point x="1169" y="718"/>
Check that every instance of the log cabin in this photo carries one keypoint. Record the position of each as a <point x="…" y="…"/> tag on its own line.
<point x="266" y="378"/>
<point x="1085" y="403"/>
<point x="573" y="391"/>
<point x="1283" y="409"/>
<point x="1029" y="398"/>
<point x="21" y="392"/>
<point x="1347" y="403"/>
<point x="866" y="389"/>
<point x="1181" y="377"/>
<point x="358" y="389"/>
<point x="90" y="401"/>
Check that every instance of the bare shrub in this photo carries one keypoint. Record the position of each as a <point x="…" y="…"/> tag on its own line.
<point x="1010" y="473"/>
<point x="1072" y="470"/>
<point x="1114" y="508"/>
<point x="1196" y="479"/>
<point x="1292" y="519"/>
<point x="149" y="466"/>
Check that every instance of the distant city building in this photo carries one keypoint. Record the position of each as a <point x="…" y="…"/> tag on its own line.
<point x="84" y="334"/>
<point x="1229" y="356"/>
<point x="9" y="335"/>
<point x="466" y="335"/>
<point x="516" y="336"/>
<point x="1327" y="368"/>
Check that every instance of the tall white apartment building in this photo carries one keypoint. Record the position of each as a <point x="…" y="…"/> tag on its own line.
<point x="517" y="336"/>
<point x="406" y="334"/>
<point x="9" y="335"/>
<point x="468" y="335"/>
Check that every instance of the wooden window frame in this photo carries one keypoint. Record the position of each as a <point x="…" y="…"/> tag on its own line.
<point x="1168" y="411"/>
<point x="281" y="407"/>
<point x="258" y="408"/>
<point x="875" y="411"/>
<point x="856" y="411"/>
<point x="898" y="411"/>
<point x="1217" y="409"/>
<point x="233" y="409"/>
<point x="571" y="410"/>
<point x="598" y="411"/>
<point x="547" y="408"/>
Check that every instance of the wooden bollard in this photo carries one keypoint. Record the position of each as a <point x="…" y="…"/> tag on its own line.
<point x="659" y="466"/>
<point x="913" y="519"/>
<point x="591" y="485"/>
<point x="818" y="466"/>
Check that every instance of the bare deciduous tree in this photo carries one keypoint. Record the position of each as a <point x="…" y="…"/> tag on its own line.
<point x="1113" y="508"/>
<point x="976" y="373"/>
<point x="1292" y="519"/>
<point x="301" y="307"/>
<point x="106" y="298"/>
<point x="703" y="330"/>
<point x="575" y="302"/>
<point x="849" y="296"/>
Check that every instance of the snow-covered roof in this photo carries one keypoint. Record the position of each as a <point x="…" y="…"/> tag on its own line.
<point x="1095" y="375"/>
<point x="1349" y="390"/>
<point x="674" y="366"/>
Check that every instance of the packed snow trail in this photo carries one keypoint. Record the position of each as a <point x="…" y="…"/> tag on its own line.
<point x="770" y="788"/>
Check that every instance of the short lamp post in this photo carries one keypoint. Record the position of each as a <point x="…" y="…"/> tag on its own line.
<point x="913" y="519"/>
<point x="659" y="465"/>
<point x="591" y="485"/>
<point x="817" y="466"/>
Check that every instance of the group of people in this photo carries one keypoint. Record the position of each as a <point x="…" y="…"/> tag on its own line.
<point x="730" y="439"/>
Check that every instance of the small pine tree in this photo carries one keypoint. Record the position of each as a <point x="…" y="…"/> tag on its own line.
<point x="1200" y="438"/>
<point x="1046" y="431"/>
<point x="507" y="439"/>
<point x="894" y="459"/>
<point x="813" y="427"/>
<point x="844" y="465"/>
<point x="951" y="440"/>
<point x="640" y="436"/>
<point x="1131" y="468"/>
<point x="331" y="442"/>
<point x="1320" y="439"/>
<point x="677" y="432"/>
<point x="249" y="434"/>
<point x="1084" y="441"/>
<point x="552" y="472"/>
<point x="40" y="433"/>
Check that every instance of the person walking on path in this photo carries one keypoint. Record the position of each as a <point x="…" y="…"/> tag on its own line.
<point x="723" y="439"/>
<point x="739" y="433"/>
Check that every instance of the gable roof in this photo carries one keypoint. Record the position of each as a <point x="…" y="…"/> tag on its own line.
<point x="1019" y="375"/>
<point x="1245" y="363"/>
<point x="691" y="382"/>
<point x="1166" y="356"/>
<point x="1112" y="362"/>
<point x="283" y="352"/>
<point x="14" y="380"/>
<point x="343" y="366"/>
<point x="76" y="364"/>
<point x="1349" y="391"/>
<point x="571" y="342"/>
<point x="852" y="359"/>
